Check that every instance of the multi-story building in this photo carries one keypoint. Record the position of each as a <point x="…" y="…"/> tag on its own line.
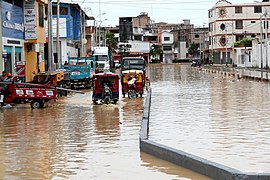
<point x="12" y="38"/>
<point x="200" y="37"/>
<point x="167" y="46"/>
<point x="23" y="37"/>
<point x="72" y="32"/>
<point x="229" y="23"/>
<point x="133" y="28"/>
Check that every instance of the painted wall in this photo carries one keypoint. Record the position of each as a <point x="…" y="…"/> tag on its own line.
<point x="34" y="49"/>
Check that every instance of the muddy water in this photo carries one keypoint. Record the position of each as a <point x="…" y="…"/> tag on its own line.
<point x="221" y="119"/>
<point x="73" y="139"/>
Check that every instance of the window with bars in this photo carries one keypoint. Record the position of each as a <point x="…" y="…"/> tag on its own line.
<point x="238" y="10"/>
<point x="238" y="24"/>
<point x="257" y="9"/>
<point x="41" y="15"/>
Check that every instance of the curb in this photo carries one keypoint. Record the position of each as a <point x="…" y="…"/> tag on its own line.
<point x="197" y="164"/>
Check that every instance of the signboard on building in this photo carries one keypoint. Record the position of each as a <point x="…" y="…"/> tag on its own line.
<point x="30" y="21"/>
<point x="12" y="21"/>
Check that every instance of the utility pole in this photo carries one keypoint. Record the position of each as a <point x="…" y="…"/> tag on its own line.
<point x="50" y="42"/>
<point x="266" y="44"/>
<point x="226" y="51"/>
<point x="1" y="51"/>
<point x="99" y="6"/>
<point x="261" y="43"/>
<point x="58" y="55"/>
<point x="81" y="34"/>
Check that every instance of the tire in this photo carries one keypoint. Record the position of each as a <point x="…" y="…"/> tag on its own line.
<point x="37" y="103"/>
<point x="107" y="100"/>
<point x="95" y="102"/>
<point x="115" y="101"/>
<point x="132" y="94"/>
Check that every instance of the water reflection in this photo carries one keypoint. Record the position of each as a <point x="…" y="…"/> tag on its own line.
<point x="74" y="139"/>
<point x="176" y="172"/>
<point x="218" y="118"/>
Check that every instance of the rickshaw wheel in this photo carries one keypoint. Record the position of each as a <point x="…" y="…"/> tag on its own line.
<point x="35" y="104"/>
<point x="132" y="94"/>
<point x="114" y="101"/>
<point x="95" y="102"/>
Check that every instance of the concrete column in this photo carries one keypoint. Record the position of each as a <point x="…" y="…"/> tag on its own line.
<point x="1" y="44"/>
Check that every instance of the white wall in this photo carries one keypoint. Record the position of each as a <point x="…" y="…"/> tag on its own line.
<point x="139" y="46"/>
<point x="183" y="50"/>
<point x="166" y="34"/>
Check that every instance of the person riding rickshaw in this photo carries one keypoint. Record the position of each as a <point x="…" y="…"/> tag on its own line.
<point x="106" y="88"/>
<point x="133" y="67"/>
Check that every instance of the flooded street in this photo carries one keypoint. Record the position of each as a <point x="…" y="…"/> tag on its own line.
<point x="74" y="139"/>
<point x="221" y="119"/>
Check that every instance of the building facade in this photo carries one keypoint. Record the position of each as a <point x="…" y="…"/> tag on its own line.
<point x="167" y="46"/>
<point x="72" y="32"/>
<point x="35" y="37"/>
<point x="229" y="23"/>
<point x="12" y="36"/>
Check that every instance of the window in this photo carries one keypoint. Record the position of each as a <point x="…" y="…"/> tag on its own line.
<point x="197" y="36"/>
<point x="238" y="10"/>
<point x="252" y="22"/>
<point x="63" y="11"/>
<point x="266" y="23"/>
<point x="167" y="48"/>
<point x="257" y="9"/>
<point x="18" y="3"/>
<point x="8" y="1"/>
<point x="41" y="15"/>
<point x="239" y="37"/>
<point x="166" y="38"/>
<point x="239" y="24"/>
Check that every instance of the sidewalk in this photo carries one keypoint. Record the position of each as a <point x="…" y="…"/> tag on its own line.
<point x="239" y="72"/>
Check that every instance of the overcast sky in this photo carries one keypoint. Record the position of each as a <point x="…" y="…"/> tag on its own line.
<point x="170" y="11"/>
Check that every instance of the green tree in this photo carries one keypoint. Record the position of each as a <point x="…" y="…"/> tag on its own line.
<point x="156" y="50"/>
<point x="193" y="49"/>
<point x="111" y="41"/>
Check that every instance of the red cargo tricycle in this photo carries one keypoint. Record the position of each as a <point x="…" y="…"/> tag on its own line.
<point x="21" y="93"/>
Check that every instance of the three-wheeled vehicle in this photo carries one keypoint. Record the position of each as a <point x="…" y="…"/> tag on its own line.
<point x="133" y="76"/>
<point x="132" y="83"/>
<point x="21" y="93"/>
<point x="106" y="88"/>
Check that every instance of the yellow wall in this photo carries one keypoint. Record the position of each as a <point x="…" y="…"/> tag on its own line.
<point x="31" y="58"/>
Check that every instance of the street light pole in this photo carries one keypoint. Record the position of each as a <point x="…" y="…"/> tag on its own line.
<point x="261" y="43"/>
<point x="57" y="36"/>
<point x="50" y="42"/>
<point x="266" y="44"/>
<point x="1" y="51"/>
<point x="226" y="51"/>
<point x="266" y="34"/>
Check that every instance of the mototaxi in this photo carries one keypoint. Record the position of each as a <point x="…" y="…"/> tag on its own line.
<point x="132" y="83"/>
<point x="106" y="88"/>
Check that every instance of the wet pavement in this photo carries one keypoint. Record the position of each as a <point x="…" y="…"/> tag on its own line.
<point x="74" y="139"/>
<point x="223" y="119"/>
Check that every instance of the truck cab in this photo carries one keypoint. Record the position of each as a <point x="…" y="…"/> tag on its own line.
<point x="102" y="57"/>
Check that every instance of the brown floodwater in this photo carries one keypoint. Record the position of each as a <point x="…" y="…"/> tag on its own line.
<point x="219" y="118"/>
<point x="74" y="139"/>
